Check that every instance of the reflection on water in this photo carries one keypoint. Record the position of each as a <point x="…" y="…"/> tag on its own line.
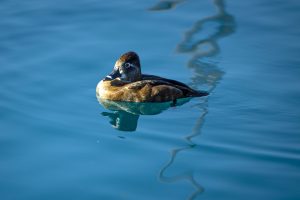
<point x="189" y="176"/>
<point x="122" y="120"/>
<point x="205" y="73"/>
<point x="125" y="115"/>
<point x="165" y="5"/>
<point x="55" y="143"/>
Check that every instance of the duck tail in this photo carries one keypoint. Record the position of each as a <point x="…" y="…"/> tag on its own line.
<point x="199" y="93"/>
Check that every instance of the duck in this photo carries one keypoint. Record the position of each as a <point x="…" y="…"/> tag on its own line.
<point x="126" y="83"/>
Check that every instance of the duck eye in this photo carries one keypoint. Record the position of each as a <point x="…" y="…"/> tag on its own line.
<point x="127" y="65"/>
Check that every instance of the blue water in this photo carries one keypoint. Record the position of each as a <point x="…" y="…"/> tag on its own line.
<point x="240" y="142"/>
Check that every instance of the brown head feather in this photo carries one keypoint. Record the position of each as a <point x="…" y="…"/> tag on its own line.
<point x="131" y="57"/>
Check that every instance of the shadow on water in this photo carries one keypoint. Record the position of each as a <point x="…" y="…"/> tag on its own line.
<point x="206" y="73"/>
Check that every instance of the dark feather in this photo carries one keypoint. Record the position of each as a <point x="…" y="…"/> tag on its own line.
<point x="157" y="80"/>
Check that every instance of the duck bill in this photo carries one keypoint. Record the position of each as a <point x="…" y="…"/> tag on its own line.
<point x="114" y="74"/>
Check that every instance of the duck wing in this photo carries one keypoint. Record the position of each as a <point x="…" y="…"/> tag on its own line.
<point x="157" y="80"/>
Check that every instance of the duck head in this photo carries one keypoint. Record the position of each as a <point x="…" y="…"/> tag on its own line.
<point x="127" y="68"/>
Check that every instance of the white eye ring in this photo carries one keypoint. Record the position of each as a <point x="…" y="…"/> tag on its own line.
<point x="128" y="65"/>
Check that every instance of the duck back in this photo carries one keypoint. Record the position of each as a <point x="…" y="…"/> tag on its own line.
<point x="186" y="90"/>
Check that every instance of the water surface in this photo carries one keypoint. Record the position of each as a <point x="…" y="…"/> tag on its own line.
<point x="240" y="142"/>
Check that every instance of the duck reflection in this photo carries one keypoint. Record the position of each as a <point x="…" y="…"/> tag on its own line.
<point x="206" y="73"/>
<point x="122" y="120"/>
<point x="125" y="115"/>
